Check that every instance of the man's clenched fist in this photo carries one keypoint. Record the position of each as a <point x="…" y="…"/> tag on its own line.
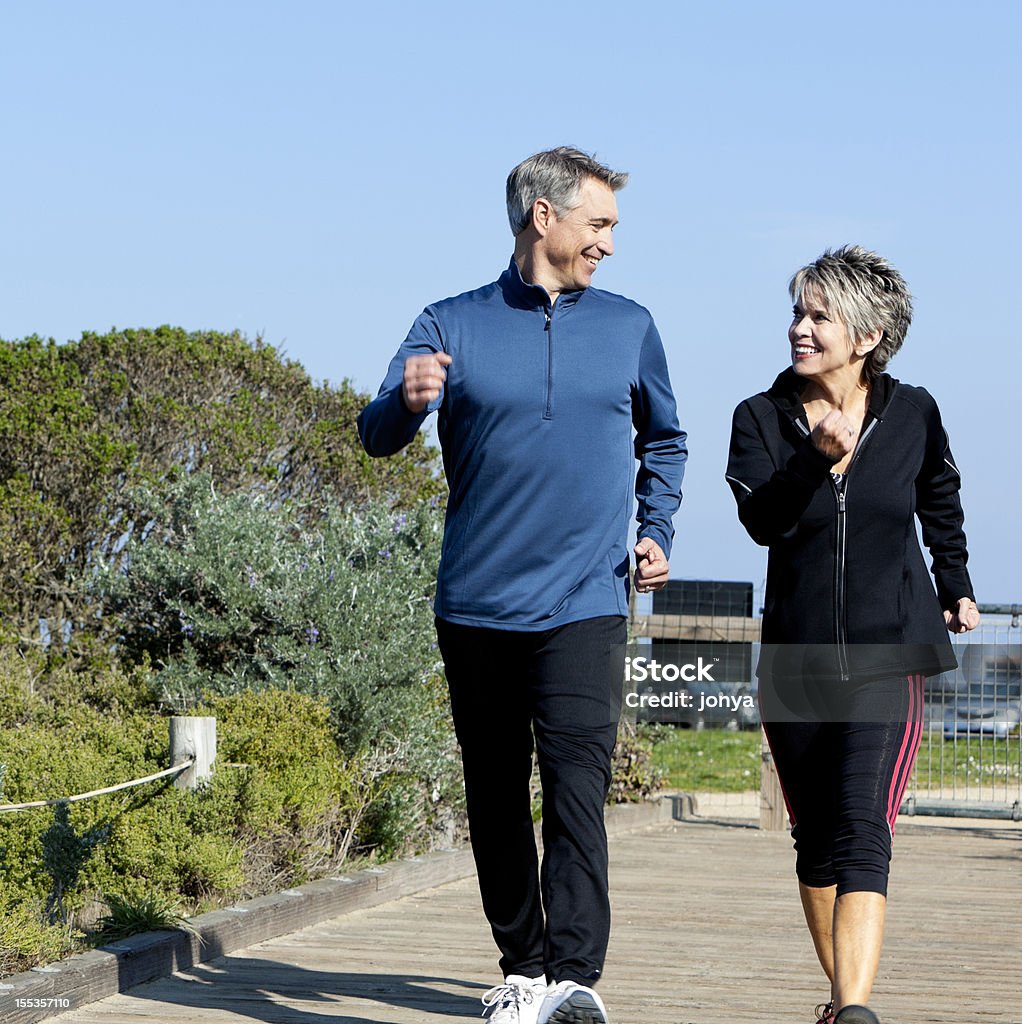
<point x="651" y="566"/>
<point x="423" y="379"/>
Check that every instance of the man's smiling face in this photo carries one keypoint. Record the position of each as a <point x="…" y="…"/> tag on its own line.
<point x="575" y="243"/>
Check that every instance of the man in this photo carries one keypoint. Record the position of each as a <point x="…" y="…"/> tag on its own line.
<point x="539" y="380"/>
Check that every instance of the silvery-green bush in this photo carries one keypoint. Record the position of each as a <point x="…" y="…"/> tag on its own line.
<point x="228" y="593"/>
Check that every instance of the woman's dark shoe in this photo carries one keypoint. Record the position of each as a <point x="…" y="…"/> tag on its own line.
<point x="856" y="1015"/>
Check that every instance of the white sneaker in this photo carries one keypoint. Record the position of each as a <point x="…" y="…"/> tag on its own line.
<point x="516" y="1001"/>
<point x="570" y="1003"/>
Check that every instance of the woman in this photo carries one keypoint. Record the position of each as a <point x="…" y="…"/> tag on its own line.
<point x="830" y="468"/>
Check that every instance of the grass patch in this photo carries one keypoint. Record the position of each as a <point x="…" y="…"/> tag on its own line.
<point x="968" y="760"/>
<point x="714" y="760"/>
<point x="708" y="760"/>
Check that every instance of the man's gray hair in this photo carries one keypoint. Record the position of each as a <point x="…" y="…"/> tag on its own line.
<point x="556" y="175"/>
<point x="865" y="293"/>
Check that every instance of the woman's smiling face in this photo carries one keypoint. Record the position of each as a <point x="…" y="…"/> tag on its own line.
<point x="821" y="344"/>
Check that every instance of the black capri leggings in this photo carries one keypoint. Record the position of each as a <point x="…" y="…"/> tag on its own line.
<point x="843" y="776"/>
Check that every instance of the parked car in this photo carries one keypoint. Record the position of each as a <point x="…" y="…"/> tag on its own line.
<point x="985" y="711"/>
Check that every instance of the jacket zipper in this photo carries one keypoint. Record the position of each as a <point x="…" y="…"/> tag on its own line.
<point x="840" y="562"/>
<point x="548" y="406"/>
<point x="840" y="566"/>
<point x="840" y="623"/>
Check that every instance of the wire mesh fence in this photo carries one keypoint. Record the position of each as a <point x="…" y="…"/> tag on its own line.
<point x="970" y="756"/>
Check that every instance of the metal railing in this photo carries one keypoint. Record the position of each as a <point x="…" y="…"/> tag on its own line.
<point x="970" y="758"/>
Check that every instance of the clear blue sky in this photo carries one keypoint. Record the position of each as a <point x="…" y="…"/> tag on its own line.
<point x="317" y="172"/>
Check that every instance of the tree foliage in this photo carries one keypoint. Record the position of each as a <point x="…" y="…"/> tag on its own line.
<point x="83" y="424"/>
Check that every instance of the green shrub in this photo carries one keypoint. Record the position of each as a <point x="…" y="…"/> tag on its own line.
<point x="229" y="594"/>
<point x="635" y="773"/>
<point x="298" y="802"/>
<point x="26" y="940"/>
<point x="84" y="423"/>
<point x="284" y="806"/>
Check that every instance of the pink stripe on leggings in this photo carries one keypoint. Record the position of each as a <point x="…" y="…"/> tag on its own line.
<point x="909" y="749"/>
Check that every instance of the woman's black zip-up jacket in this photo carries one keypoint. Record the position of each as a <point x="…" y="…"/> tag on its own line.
<point x="845" y="569"/>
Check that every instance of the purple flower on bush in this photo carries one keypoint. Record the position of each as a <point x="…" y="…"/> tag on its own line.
<point x="400" y="521"/>
<point x="187" y="629"/>
<point x="312" y="635"/>
<point x="384" y="552"/>
<point x="250" y="576"/>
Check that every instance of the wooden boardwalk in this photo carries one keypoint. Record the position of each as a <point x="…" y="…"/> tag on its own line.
<point x="707" y="930"/>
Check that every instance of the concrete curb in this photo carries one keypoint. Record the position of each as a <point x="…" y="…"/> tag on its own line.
<point x="43" y="992"/>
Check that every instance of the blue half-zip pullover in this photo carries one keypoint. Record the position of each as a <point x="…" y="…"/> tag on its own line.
<point x="536" y="426"/>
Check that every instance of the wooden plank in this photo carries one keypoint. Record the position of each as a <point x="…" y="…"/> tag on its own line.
<point x="87" y="977"/>
<point x="707" y="930"/>
<point x="723" y="628"/>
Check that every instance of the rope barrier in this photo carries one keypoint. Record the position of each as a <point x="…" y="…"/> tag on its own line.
<point x="176" y="769"/>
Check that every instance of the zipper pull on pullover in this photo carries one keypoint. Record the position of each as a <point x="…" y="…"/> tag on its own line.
<point x="548" y="404"/>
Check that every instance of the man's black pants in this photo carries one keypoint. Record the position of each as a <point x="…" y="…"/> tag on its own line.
<point x="563" y="687"/>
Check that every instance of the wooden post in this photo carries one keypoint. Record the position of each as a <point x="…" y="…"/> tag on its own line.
<point x="773" y="815"/>
<point x="193" y="737"/>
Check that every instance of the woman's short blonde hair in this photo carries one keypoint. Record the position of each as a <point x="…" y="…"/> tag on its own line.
<point x="865" y="293"/>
